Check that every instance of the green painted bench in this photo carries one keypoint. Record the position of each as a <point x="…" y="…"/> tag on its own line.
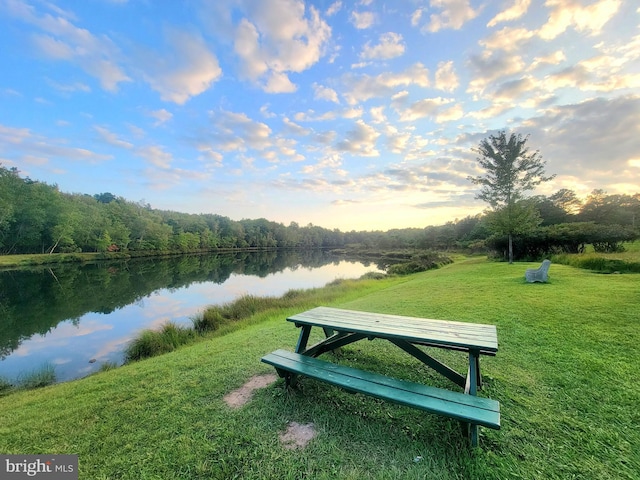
<point x="470" y="409"/>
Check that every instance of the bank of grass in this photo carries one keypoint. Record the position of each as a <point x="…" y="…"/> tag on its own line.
<point x="34" y="260"/>
<point x="627" y="261"/>
<point x="39" y="259"/>
<point x="221" y="319"/>
<point x="565" y="374"/>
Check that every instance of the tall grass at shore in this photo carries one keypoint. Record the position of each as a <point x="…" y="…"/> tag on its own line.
<point x="40" y="377"/>
<point x="222" y="319"/>
<point x="565" y="374"/>
<point x="37" y="378"/>
<point x="626" y="261"/>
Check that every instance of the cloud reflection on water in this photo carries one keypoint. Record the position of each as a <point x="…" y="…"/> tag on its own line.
<point x="102" y="337"/>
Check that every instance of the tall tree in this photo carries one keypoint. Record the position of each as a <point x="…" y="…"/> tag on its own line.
<point x="567" y="200"/>
<point x="510" y="170"/>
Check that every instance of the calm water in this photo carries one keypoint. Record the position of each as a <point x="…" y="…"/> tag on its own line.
<point x="77" y="317"/>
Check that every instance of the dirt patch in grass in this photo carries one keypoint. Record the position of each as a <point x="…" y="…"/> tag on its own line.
<point x="242" y="395"/>
<point x="297" y="435"/>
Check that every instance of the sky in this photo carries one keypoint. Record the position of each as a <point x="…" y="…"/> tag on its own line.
<point x="356" y="115"/>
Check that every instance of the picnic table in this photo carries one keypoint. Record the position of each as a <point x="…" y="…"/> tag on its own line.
<point x="412" y="335"/>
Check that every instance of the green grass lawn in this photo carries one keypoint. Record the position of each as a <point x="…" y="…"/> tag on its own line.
<point x="566" y="376"/>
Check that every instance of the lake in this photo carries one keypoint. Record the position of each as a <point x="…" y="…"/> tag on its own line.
<point x="78" y="317"/>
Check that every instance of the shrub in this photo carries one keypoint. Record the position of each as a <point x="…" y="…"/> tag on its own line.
<point x="373" y="276"/>
<point x="106" y="366"/>
<point x="597" y="263"/>
<point x="45" y="375"/>
<point x="293" y="294"/>
<point x="209" y="321"/>
<point x="151" y="343"/>
<point x="243" y="307"/>
<point x="419" y="263"/>
<point x="5" y="386"/>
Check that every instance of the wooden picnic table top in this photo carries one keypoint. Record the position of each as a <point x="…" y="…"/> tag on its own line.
<point x="440" y="333"/>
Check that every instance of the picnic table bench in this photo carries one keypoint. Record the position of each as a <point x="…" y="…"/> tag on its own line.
<point x="343" y="327"/>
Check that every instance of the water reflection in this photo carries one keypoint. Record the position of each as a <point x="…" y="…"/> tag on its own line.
<point x="70" y="315"/>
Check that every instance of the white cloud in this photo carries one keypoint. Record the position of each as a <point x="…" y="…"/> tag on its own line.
<point x="492" y="67"/>
<point x="325" y="93"/>
<point x="13" y="135"/>
<point x="111" y="138"/>
<point x="377" y="114"/>
<point x="278" y="82"/>
<point x="513" y="90"/>
<point x="454" y="14"/>
<point x="209" y="156"/>
<point x="352" y="113"/>
<point x="446" y="78"/>
<point x="161" y="116"/>
<point x="67" y="88"/>
<point x="295" y="128"/>
<point x="455" y="112"/>
<point x="236" y="131"/>
<point x="247" y="47"/>
<point x="578" y="137"/>
<point x="390" y="45"/>
<point x="361" y="140"/>
<point x="312" y="116"/>
<point x="62" y="40"/>
<point x="427" y="107"/>
<point x="279" y="37"/>
<point x="416" y="16"/>
<point x="554" y="58"/>
<point x="569" y="13"/>
<point x="586" y="78"/>
<point x="53" y="48"/>
<point x="331" y="161"/>
<point x="492" y="111"/>
<point x="363" y="87"/>
<point x="362" y="20"/>
<point x="397" y="142"/>
<point x="264" y="110"/>
<point x="23" y="144"/>
<point x="334" y="8"/>
<point x="515" y="11"/>
<point x="508" y="39"/>
<point x="287" y="147"/>
<point x="156" y="155"/>
<point x="188" y="70"/>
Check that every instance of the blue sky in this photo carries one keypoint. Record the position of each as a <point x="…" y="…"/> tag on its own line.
<point x="345" y="114"/>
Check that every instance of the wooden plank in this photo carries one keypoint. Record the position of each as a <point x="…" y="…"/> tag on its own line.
<point x="468" y="408"/>
<point x="416" y="330"/>
<point x="374" y="318"/>
<point x="409" y="324"/>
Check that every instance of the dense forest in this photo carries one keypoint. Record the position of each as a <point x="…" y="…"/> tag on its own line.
<point x="36" y="217"/>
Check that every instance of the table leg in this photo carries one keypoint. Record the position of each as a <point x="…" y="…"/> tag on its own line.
<point x="303" y="338"/>
<point x="327" y="332"/>
<point x="471" y="388"/>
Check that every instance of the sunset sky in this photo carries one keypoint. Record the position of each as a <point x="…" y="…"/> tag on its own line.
<point x="345" y="114"/>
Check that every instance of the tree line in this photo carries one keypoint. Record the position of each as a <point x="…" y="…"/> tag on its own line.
<point x="36" y="217"/>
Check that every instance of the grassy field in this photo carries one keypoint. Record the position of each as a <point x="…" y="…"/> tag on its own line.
<point x="566" y="375"/>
